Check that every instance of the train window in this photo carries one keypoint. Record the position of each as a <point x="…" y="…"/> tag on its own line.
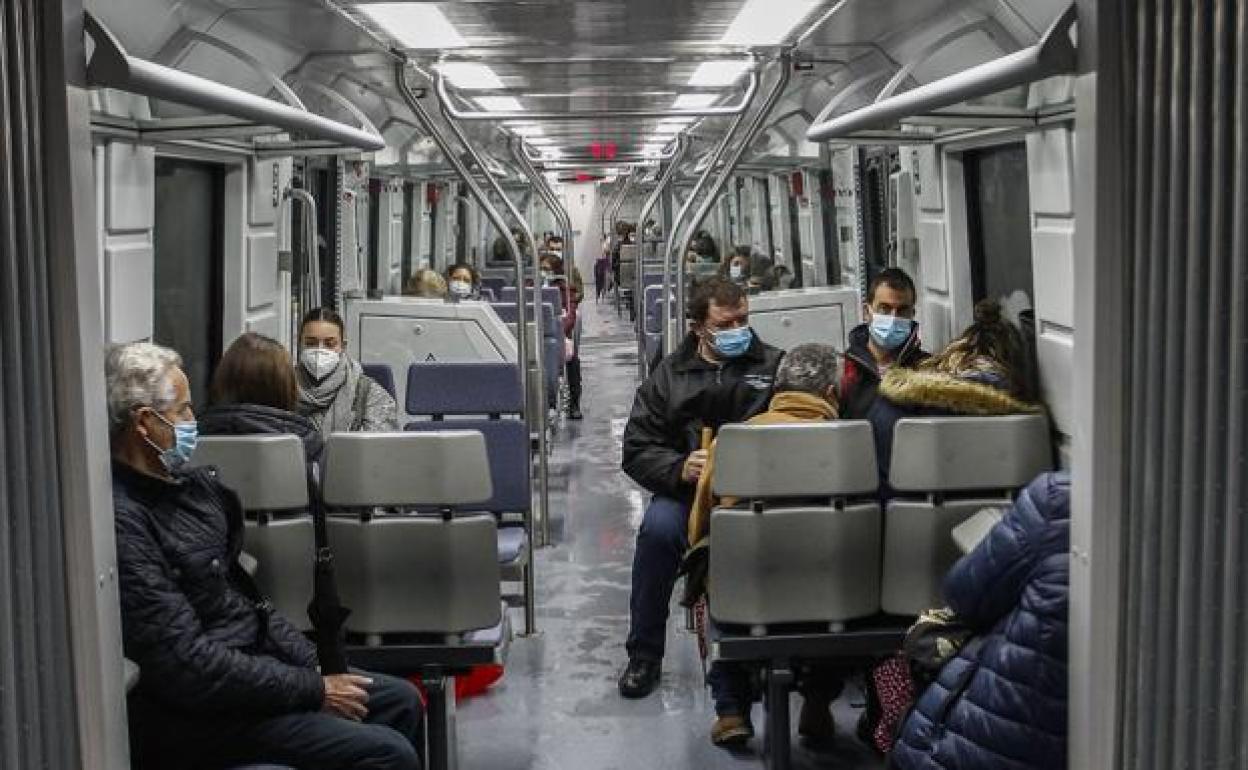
<point x="999" y="225"/>
<point x="187" y="242"/>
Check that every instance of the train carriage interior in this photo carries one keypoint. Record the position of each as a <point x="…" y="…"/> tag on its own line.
<point x="541" y="291"/>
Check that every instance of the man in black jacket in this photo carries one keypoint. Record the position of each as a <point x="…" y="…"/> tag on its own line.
<point x="890" y="337"/>
<point x="722" y="373"/>
<point x="224" y="681"/>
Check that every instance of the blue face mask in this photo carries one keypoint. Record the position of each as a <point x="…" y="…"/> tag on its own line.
<point x="889" y="331"/>
<point x="186" y="436"/>
<point x="731" y="343"/>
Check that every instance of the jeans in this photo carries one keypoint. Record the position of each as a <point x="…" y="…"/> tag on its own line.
<point x="732" y="689"/>
<point x="387" y="739"/>
<point x="574" y="382"/>
<point x="661" y="544"/>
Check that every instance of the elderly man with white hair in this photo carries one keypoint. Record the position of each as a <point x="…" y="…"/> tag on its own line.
<point x="225" y="681"/>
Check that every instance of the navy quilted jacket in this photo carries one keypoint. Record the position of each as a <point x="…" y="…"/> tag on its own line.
<point x="1001" y="703"/>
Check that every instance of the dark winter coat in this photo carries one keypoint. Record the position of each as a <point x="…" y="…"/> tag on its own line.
<point x="1000" y="704"/>
<point x="206" y="641"/>
<point x="683" y="394"/>
<point x="251" y="419"/>
<point x="860" y="379"/>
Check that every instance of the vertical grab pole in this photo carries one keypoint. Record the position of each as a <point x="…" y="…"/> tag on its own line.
<point x="538" y="358"/>
<point x="785" y="62"/>
<point x="522" y="342"/>
<point x="665" y="179"/>
<point x="673" y="260"/>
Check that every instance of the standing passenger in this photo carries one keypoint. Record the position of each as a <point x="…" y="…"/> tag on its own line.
<point x="721" y="373"/>
<point x="334" y="391"/>
<point x="889" y="338"/>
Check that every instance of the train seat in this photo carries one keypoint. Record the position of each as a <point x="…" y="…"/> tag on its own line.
<point x="270" y="475"/>
<point x="550" y="295"/>
<point x="943" y="471"/>
<point x="804" y="545"/>
<point x="383" y="375"/>
<point x="552" y="343"/>
<point x="457" y="390"/>
<point x="405" y="573"/>
<point x="493" y="284"/>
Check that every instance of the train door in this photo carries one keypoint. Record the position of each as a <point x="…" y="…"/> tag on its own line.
<point x="187" y="241"/>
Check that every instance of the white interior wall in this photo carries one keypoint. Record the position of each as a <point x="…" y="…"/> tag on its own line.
<point x="582" y="203"/>
<point x="390" y="236"/>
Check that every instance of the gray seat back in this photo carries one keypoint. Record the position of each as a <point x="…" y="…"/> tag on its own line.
<point x="269" y="474"/>
<point x="407" y="573"/>
<point x="943" y="471"/>
<point x="806" y="546"/>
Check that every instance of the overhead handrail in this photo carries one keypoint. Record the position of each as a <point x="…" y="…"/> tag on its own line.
<point x="698" y="112"/>
<point x="492" y="213"/>
<point x="785" y="63"/>
<point x="112" y="67"/>
<point x="547" y="194"/>
<point x="1055" y="54"/>
<point x="341" y="101"/>
<point x="630" y="181"/>
<point x="543" y="486"/>
<point x="283" y="90"/>
<point x="610" y="205"/>
<point x="669" y="173"/>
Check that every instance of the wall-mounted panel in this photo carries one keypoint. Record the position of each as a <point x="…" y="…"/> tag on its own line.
<point x="1055" y="352"/>
<point x="936" y="328"/>
<point x="261" y="270"/>
<point x="1049" y="164"/>
<point x="130" y="186"/>
<point x="932" y="248"/>
<point x="263" y="324"/>
<point x="1053" y="262"/>
<point x="928" y="182"/>
<point x="265" y="178"/>
<point x="130" y="290"/>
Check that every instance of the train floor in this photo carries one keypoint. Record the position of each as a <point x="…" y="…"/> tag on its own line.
<point x="557" y="707"/>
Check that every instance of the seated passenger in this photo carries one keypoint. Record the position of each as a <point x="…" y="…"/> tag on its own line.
<point x="463" y="281"/>
<point x="762" y="274"/>
<point x="1001" y="702"/>
<point x="737" y="267"/>
<point x="888" y="339"/>
<point x="426" y="284"/>
<point x="805" y="391"/>
<point x="334" y="391"/>
<point x="554" y="245"/>
<point x="225" y="681"/>
<point x="979" y="373"/>
<point x="721" y="373"/>
<point x="254" y="390"/>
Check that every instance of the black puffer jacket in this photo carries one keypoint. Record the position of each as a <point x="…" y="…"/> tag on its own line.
<point x="250" y="419"/>
<point x="683" y="394"/>
<point x="860" y="380"/>
<point x="192" y="619"/>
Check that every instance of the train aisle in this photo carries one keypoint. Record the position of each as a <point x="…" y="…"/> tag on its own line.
<point x="557" y="707"/>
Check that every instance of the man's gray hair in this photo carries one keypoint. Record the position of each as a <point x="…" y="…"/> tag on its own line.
<point x="809" y="368"/>
<point x="138" y="374"/>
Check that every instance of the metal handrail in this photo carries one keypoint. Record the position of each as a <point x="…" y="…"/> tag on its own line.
<point x="669" y="173"/>
<point x="630" y="181"/>
<point x="113" y="67"/>
<point x="492" y="213"/>
<point x="609" y="208"/>
<point x="543" y="486"/>
<point x="699" y="112"/>
<point x="1054" y="55"/>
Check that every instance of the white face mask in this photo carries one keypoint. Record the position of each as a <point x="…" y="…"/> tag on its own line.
<point x="461" y="288"/>
<point x="319" y="362"/>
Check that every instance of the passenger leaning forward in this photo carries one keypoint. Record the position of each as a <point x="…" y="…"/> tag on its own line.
<point x="334" y="391"/>
<point x="805" y="391"/>
<point x="888" y="339"/>
<point x="721" y="373"/>
<point x="224" y="680"/>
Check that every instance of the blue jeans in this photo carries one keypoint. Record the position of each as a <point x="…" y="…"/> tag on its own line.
<point x="732" y="689"/>
<point x="661" y="544"/>
<point x="387" y="739"/>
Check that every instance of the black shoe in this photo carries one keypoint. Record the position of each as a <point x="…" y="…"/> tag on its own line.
<point x="574" y="413"/>
<point x="640" y="677"/>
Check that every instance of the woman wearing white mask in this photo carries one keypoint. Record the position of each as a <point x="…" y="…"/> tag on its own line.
<point x="463" y="281"/>
<point x="334" y="391"/>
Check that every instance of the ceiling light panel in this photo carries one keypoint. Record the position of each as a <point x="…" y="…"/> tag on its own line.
<point x="500" y="103"/>
<point x="469" y="75"/>
<point x="415" y="25"/>
<point x="718" y="73"/>
<point x="694" y="101"/>
<point x="767" y="22"/>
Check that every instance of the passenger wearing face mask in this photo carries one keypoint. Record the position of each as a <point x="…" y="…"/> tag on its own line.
<point x="463" y="282"/>
<point x="226" y="681"/>
<point x="889" y="338"/>
<point x="721" y="373"/>
<point x="737" y="268"/>
<point x="334" y="391"/>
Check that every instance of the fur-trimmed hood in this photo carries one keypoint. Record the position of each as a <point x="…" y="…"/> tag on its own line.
<point x="926" y="389"/>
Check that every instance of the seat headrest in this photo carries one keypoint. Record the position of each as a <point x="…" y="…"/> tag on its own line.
<point x="479" y="387"/>
<point x="935" y="454"/>
<point x="269" y="472"/>
<point x="374" y="469"/>
<point x="823" y="459"/>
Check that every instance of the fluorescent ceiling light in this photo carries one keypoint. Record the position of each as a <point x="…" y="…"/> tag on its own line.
<point x="538" y="140"/>
<point x="676" y="121"/>
<point x="526" y="131"/>
<point x="415" y="25"/>
<point x="718" y="73"/>
<point x="693" y="101"/>
<point x="469" y="75"/>
<point x="500" y="103"/>
<point x="767" y="22"/>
